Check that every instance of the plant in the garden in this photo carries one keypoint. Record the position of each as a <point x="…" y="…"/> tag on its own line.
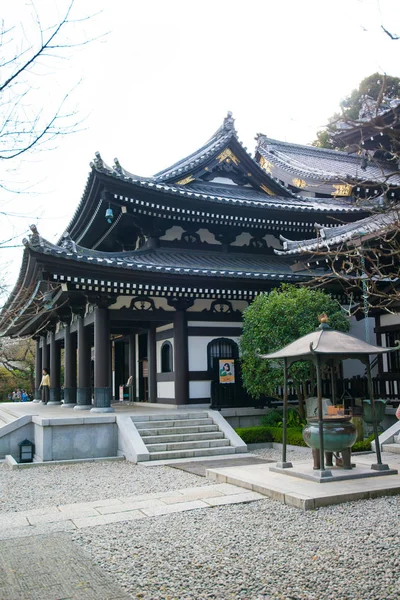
<point x="271" y="322"/>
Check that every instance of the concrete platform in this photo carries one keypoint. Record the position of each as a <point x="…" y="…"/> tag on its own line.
<point x="309" y="495"/>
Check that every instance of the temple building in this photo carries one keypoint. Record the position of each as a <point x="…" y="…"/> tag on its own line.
<point x="151" y="277"/>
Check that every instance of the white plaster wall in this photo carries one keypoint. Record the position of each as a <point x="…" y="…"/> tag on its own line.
<point x="159" y="344"/>
<point x="124" y="301"/>
<point x="390" y="320"/>
<point x="207" y="236"/>
<point x="198" y="350"/>
<point x="273" y="241"/>
<point x="199" y="389"/>
<point x="164" y="327"/>
<point x="215" y="324"/>
<point x="202" y="304"/>
<point x="224" y="180"/>
<point x="172" y="234"/>
<point x="165" y="389"/>
<point x="352" y="368"/>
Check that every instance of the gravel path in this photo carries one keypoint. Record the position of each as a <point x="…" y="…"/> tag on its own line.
<point x="258" y="551"/>
<point x="263" y="550"/>
<point x="299" y="453"/>
<point x="64" y="484"/>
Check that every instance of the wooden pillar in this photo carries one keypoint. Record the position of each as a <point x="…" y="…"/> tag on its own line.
<point x="84" y="390"/>
<point x="152" y="362"/>
<point x="45" y="353"/>
<point x="132" y="367"/>
<point x="181" y="358"/>
<point x="69" y="368"/>
<point x="102" y="363"/>
<point x="55" y="370"/>
<point x="38" y="370"/>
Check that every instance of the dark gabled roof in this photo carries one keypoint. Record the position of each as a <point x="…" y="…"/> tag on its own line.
<point x="215" y="144"/>
<point x="330" y="237"/>
<point x="319" y="164"/>
<point x="178" y="262"/>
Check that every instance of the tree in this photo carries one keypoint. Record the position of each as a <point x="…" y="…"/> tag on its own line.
<point x="17" y="365"/>
<point x="275" y="320"/>
<point x="363" y="104"/>
<point x="31" y="50"/>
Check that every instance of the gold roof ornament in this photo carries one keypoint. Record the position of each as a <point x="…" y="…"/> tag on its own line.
<point x="227" y="155"/>
<point x="266" y="165"/>
<point x="186" y="180"/>
<point x="300" y="183"/>
<point x="342" y="189"/>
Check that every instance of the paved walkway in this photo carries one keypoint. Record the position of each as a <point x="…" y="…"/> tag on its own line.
<point x="52" y="568"/>
<point x="69" y="517"/>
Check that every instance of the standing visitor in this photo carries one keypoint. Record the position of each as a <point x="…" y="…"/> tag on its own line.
<point x="45" y="386"/>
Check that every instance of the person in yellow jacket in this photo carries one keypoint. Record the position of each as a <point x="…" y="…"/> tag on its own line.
<point x="45" y="386"/>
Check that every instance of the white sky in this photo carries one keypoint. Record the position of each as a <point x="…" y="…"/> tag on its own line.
<point x="162" y="80"/>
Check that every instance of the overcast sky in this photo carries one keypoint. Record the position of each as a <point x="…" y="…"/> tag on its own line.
<point x="159" y="84"/>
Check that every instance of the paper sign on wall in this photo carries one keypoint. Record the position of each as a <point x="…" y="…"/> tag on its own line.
<point x="226" y="370"/>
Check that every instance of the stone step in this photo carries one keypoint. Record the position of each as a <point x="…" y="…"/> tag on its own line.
<point x="187" y="445"/>
<point x="192" y="453"/>
<point x="393" y="448"/>
<point x="195" y="437"/>
<point x="176" y="430"/>
<point x="170" y="417"/>
<point x="174" y="423"/>
<point x="6" y="417"/>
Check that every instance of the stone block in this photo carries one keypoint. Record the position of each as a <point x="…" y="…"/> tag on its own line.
<point x="234" y="499"/>
<point x="133" y="515"/>
<point x="174" y="508"/>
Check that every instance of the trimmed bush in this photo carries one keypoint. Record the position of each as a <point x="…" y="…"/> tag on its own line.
<point x="259" y="435"/>
<point x="272" y="419"/>
<point x="363" y="445"/>
<point x="294" y="437"/>
<point x="255" y="435"/>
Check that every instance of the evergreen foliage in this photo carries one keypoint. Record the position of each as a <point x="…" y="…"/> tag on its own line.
<point x="275" y="320"/>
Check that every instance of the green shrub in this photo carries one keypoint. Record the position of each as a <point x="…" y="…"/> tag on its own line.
<point x="294" y="437"/>
<point x="272" y="419"/>
<point x="255" y="435"/>
<point x="275" y="419"/>
<point x="259" y="435"/>
<point x="363" y="445"/>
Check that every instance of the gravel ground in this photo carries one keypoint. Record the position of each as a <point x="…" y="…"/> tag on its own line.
<point x="64" y="484"/>
<point x="258" y="551"/>
<point x="299" y="453"/>
<point x="262" y="550"/>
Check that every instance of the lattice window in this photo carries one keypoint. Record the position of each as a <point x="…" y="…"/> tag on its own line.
<point x="220" y="348"/>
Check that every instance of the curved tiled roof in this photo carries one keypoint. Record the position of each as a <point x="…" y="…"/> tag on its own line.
<point x="177" y="262"/>
<point x="220" y="138"/>
<point x="323" y="164"/>
<point x="329" y="237"/>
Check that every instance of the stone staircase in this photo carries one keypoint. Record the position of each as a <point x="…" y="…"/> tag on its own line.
<point x="182" y="435"/>
<point x="6" y="416"/>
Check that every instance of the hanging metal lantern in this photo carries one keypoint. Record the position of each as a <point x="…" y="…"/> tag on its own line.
<point x="109" y="215"/>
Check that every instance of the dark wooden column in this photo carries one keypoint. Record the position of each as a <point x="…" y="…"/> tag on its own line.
<point x="69" y="368"/>
<point x="38" y="370"/>
<point x="152" y="362"/>
<point x="181" y="358"/>
<point x="102" y="387"/>
<point x="84" y="390"/>
<point x="132" y="367"/>
<point x="45" y="353"/>
<point x="55" y="370"/>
